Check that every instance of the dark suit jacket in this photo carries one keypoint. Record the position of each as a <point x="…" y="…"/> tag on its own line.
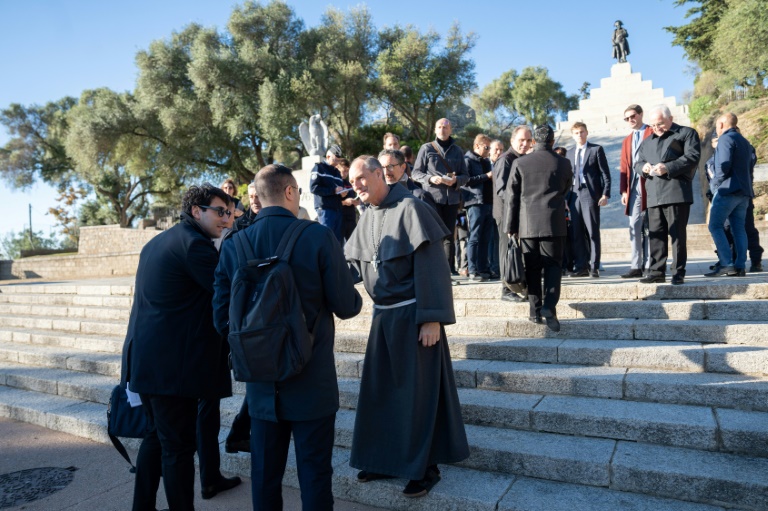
<point x="501" y="168"/>
<point x="172" y="347"/>
<point x="597" y="174"/>
<point x="536" y="191"/>
<point x="680" y="150"/>
<point x="325" y="286"/>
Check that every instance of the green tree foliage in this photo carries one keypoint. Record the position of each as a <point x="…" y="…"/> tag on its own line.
<point x="740" y="45"/>
<point x="420" y="80"/>
<point x="13" y="243"/>
<point x="697" y="37"/>
<point x="123" y="168"/>
<point x="531" y="97"/>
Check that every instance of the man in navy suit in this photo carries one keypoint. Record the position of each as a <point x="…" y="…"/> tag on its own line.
<point x="591" y="189"/>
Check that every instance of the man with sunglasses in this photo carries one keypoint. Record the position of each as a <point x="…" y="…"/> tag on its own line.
<point x="172" y="355"/>
<point x="478" y="201"/>
<point x="632" y="188"/>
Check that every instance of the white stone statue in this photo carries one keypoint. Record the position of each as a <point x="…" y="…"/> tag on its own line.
<point x="314" y="135"/>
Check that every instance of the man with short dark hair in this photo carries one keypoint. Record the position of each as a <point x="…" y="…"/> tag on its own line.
<point x="326" y="184"/>
<point x="172" y="355"/>
<point x="394" y="165"/>
<point x="304" y="406"/>
<point x="391" y="141"/>
<point x="519" y="144"/>
<point x="632" y="188"/>
<point x="538" y="186"/>
<point x="591" y="190"/>
<point x="478" y="202"/>
<point x="408" y="414"/>
<point x="668" y="161"/>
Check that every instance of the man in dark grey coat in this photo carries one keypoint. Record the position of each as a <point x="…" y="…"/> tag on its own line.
<point x="668" y="160"/>
<point x="408" y="413"/>
<point x="173" y="355"/>
<point x="441" y="170"/>
<point x="303" y="407"/>
<point x="538" y="185"/>
<point x="520" y="144"/>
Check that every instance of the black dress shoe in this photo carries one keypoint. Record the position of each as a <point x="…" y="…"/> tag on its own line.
<point x="756" y="268"/>
<point x="722" y="271"/>
<point x="653" y="279"/>
<point x="741" y="273"/>
<point x="551" y="318"/>
<point x="594" y="274"/>
<point x="421" y="487"/>
<point x="579" y="273"/>
<point x="678" y="279"/>
<point x="233" y="446"/>
<point x="224" y="484"/>
<point x="632" y="274"/>
<point x="365" y="477"/>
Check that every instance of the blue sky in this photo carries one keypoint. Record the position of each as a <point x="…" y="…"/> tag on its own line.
<point x="53" y="48"/>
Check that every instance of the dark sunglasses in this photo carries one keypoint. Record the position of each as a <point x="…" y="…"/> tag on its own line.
<point x="219" y="210"/>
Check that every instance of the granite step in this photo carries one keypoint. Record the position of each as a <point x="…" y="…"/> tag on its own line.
<point x="648" y="471"/>
<point x="666" y="355"/>
<point x="77" y="340"/>
<point x="116" y="287"/>
<point x="75" y="300"/>
<point x="708" y="331"/>
<point x="55" y="357"/>
<point x="86" y="326"/>
<point x="66" y="311"/>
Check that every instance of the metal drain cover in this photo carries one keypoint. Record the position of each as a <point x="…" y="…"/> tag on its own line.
<point x="29" y="485"/>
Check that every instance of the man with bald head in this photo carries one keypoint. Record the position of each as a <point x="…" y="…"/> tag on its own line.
<point x="732" y="189"/>
<point x="408" y="414"/>
<point x="441" y="170"/>
<point x="667" y="160"/>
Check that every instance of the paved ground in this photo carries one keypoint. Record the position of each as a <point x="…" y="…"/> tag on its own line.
<point x="102" y="481"/>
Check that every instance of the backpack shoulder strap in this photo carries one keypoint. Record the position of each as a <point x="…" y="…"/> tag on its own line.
<point x="244" y="249"/>
<point x="289" y="238"/>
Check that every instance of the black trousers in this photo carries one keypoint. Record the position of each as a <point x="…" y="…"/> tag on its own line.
<point x="546" y="254"/>
<point x="208" y="427"/>
<point x="241" y="426"/>
<point x="448" y="213"/>
<point x="167" y="450"/>
<point x="313" y="443"/>
<point x="668" y="221"/>
<point x="585" y="230"/>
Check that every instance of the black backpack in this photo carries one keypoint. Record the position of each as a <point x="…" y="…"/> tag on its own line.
<point x="268" y="335"/>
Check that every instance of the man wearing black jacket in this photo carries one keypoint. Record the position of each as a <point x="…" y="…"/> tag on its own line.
<point x="668" y="160"/>
<point x="537" y="188"/>
<point x="326" y="184"/>
<point x="478" y="201"/>
<point x="520" y="143"/>
<point x="172" y="354"/>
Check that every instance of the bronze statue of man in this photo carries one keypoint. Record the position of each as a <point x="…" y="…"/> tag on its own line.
<point x="620" y="43"/>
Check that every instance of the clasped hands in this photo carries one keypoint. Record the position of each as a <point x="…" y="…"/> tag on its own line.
<point x="655" y="170"/>
<point x="443" y="180"/>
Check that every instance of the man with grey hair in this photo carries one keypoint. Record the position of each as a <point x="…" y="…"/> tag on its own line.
<point x="408" y="413"/>
<point x="667" y="160"/>
<point x="520" y="142"/>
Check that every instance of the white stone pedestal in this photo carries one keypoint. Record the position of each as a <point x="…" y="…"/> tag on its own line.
<point x="302" y="178"/>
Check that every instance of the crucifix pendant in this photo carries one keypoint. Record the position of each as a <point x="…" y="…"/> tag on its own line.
<point x="375" y="263"/>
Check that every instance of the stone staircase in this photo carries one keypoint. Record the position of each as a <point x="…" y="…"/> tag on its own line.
<point x="651" y="397"/>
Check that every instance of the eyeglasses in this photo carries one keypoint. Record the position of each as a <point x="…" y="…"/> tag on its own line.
<point x="391" y="166"/>
<point x="630" y="117"/>
<point x="219" y="210"/>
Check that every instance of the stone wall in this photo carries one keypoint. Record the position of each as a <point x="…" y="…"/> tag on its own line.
<point x="103" y="251"/>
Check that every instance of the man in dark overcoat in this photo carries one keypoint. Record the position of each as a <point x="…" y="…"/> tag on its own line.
<point x="408" y="414"/>
<point x="538" y="185"/>
<point x="520" y="143"/>
<point x="172" y="355"/>
<point x="305" y="405"/>
<point x="668" y="160"/>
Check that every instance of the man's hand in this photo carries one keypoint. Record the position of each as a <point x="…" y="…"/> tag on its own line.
<point x="603" y="201"/>
<point x="338" y="189"/>
<point x="429" y="334"/>
<point x="624" y="198"/>
<point x="660" y="169"/>
<point x="449" y="181"/>
<point x="349" y="202"/>
<point x="647" y="168"/>
<point x="489" y="174"/>
<point x="436" y="180"/>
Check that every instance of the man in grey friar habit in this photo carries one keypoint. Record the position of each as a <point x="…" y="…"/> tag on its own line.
<point x="408" y="414"/>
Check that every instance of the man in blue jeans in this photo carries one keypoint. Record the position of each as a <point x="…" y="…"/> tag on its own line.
<point x="732" y="188"/>
<point x="478" y="201"/>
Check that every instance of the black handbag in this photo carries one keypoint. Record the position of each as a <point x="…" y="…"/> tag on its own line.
<point x="512" y="268"/>
<point x="124" y="420"/>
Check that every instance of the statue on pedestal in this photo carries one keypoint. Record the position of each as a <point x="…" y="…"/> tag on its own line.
<point x="620" y="43"/>
<point x="314" y="135"/>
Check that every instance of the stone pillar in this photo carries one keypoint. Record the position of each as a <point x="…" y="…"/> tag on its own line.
<point x="302" y="178"/>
